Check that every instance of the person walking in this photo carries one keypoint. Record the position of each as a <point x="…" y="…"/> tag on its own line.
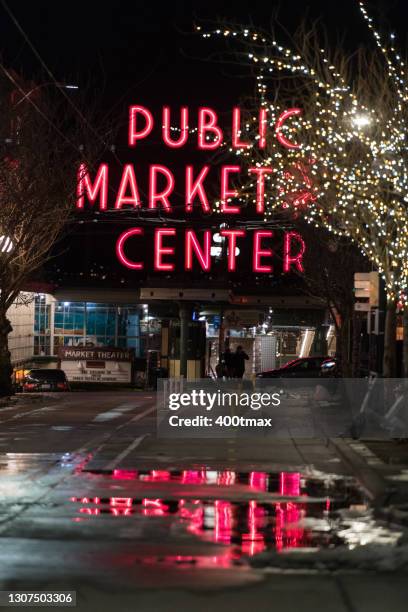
<point x="240" y="357"/>
<point x="228" y="361"/>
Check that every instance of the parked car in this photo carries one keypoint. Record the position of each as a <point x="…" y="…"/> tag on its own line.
<point x="45" y="380"/>
<point x="303" y="367"/>
<point x="330" y="367"/>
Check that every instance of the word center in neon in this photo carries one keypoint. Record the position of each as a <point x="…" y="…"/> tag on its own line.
<point x="197" y="248"/>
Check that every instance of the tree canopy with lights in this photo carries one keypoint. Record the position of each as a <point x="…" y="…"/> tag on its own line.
<point x="348" y="168"/>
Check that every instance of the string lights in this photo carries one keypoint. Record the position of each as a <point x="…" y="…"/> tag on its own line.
<point x="350" y="174"/>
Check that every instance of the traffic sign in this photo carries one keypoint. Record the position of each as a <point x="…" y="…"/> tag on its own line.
<point x="366" y="286"/>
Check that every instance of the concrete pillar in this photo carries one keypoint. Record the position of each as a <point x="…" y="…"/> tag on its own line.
<point x="185" y="317"/>
<point x="319" y="346"/>
<point x="52" y="303"/>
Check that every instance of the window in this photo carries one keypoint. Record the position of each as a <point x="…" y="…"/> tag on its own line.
<point x="100" y="320"/>
<point x="303" y="366"/>
<point x="94" y="324"/>
<point x="42" y="331"/>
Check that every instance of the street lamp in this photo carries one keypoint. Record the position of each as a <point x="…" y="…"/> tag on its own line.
<point x="6" y="244"/>
<point x="361" y="120"/>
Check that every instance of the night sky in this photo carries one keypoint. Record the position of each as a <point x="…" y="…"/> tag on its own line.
<point x="146" y="53"/>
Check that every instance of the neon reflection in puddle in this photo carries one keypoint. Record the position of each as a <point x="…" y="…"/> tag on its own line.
<point x="247" y="528"/>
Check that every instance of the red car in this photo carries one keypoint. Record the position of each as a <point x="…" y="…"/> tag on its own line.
<point x="303" y="367"/>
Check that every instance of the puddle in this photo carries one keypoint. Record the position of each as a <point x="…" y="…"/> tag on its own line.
<point x="304" y="514"/>
<point x="314" y="486"/>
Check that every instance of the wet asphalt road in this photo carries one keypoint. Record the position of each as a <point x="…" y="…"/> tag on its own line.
<point x="91" y="500"/>
<point x="63" y="422"/>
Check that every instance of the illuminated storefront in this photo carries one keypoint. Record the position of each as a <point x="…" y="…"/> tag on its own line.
<point x="73" y="324"/>
<point x="46" y="329"/>
<point x="271" y="336"/>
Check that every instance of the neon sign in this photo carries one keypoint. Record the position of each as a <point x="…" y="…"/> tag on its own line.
<point x="93" y="192"/>
<point x="200" y="251"/>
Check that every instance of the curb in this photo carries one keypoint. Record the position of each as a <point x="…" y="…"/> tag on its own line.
<point x="24" y="401"/>
<point x="373" y="482"/>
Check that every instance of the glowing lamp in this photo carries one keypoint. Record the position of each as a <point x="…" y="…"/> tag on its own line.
<point x="6" y="244"/>
<point x="360" y="121"/>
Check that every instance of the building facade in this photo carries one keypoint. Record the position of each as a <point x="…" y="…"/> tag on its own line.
<point x="22" y="338"/>
<point x="60" y="324"/>
<point x="46" y="325"/>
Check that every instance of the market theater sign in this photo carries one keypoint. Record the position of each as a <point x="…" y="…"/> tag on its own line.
<point x="197" y="245"/>
<point x="96" y="364"/>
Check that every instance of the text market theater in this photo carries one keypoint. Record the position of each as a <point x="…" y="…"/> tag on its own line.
<point x="196" y="249"/>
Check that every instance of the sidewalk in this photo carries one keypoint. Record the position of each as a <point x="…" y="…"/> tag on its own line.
<point x="14" y="407"/>
<point x="126" y="531"/>
<point x="25" y="399"/>
<point x="283" y="593"/>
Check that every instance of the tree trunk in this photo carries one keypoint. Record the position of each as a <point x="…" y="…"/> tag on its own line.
<point x="390" y="341"/>
<point x="405" y="347"/>
<point x="6" y="369"/>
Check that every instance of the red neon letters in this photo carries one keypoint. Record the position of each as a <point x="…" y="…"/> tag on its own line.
<point x="279" y="125"/>
<point x="232" y="236"/>
<point x="181" y="141"/>
<point x="262" y="128"/>
<point x="160" y="196"/>
<point x="160" y="250"/>
<point x="99" y="187"/>
<point x="195" y="188"/>
<point x="161" y="181"/>
<point x="210" y="136"/>
<point x="204" y="188"/>
<point x="197" y="248"/>
<point x="197" y="182"/>
<point x="288" y="257"/>
<point x="259" y="252"/>
<point x="134" y="135"/>
<point x="128" y="182"/>
<point x="120" y="248"/>
<point x="260" y="187"/>
<point x="207" y="123"/>
<point x="203" y="255"/>
<point x="236" y="130"/>
<point x="226" y="192"/>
